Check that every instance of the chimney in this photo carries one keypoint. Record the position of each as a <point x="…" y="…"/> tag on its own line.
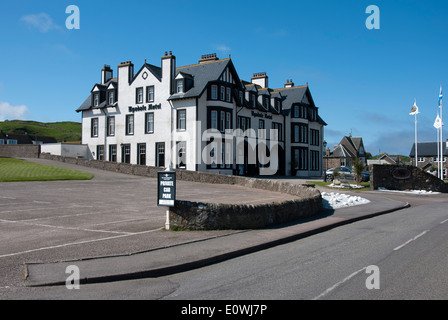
<point x="106" y="74"/>
<point x="289" y="83"/>
<point x="260" y="79"/>
<point x="125" y="72"/>
<point x="169" y="70"/>
<point x="208" y="57"/>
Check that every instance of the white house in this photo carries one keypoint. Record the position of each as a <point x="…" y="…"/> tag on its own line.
<point x="202" y="117"/>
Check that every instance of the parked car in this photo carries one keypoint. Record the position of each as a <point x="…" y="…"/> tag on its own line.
<point x="346" y="173"/>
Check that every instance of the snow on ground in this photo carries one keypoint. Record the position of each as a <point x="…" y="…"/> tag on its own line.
<point x="409" y="191"/>
<point x="334" y="200"/>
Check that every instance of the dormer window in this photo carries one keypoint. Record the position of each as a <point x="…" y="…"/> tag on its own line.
<point x="111" y="97"/>
<point x="266" y="102"/>
<point x="180" y="86"/>
<point x="96" y="99"/>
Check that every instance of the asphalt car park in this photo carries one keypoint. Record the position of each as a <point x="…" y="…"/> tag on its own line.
<point x="111" y="214"/>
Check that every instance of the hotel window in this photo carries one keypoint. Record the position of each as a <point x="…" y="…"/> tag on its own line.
<point x="141" y="154"/>
<point x="94" y="128"/>
<point x="150" y="94"/>
<point x="139" y="95"/>
<point x="96" y="99"/>
<point x="180" y="86"/>
<point x="111" y="126"/>
<point x="266" y="102"/>
<point x="149" y="122"/>
<point x="181" y="154"/>
<point x="222" y="122"/>
<point x="113" y="153"/>
<point x="300" y="158"/>
<point x="160" y="154"/>
<point x="228" y="95"/>
<point x="223" y="93"/>
<point x="181" y="119"/>
<point x="100" y="153"/>
<point x="279" y="131"/>
<point x="228" y="120"/>
<point x="241" y="98"/>
<point x="314" y="160"/>
<point x="261" y="131"/>
<point x="314" y="137"/>
<point x="214" y="119"/>
<point x="126" y="153"/>
<point x="130" y="124"/>
<point x="111" y="97"/>
<point x="254" y="101"/>
<point x="214" y="93"/>
<point x="300" y="133"/>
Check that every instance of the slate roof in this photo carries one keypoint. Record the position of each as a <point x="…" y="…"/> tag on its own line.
<point x="428" y="149"/>
<point x="202" y="74"/>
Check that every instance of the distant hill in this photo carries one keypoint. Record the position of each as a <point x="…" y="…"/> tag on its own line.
<point x="63" y="131"/>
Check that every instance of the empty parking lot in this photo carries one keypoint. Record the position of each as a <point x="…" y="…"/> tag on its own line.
<point x="111" y="214"/>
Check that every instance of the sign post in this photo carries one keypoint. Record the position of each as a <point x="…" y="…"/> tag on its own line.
<point x="166" y="192"/>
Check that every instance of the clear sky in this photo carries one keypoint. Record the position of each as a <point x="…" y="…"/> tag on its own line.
<point x="363" y="81"/>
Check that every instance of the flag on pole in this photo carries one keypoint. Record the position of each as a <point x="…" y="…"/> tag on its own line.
<point x="414" y="109"/>
<point x="438" y="122"/>
<point x="440" y="96"/>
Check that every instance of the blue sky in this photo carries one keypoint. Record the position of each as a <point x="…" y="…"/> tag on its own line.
<point x="363" y="81"/>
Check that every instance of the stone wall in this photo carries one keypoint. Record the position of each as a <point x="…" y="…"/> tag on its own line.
<point x="212" y="216"/>
<point x="20" y="150"/>
<point x="402" y="178"/>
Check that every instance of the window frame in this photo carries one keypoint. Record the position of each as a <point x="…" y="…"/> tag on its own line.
<point x="181" y="124"/>
<point x="130" y="129"/>
<point x="139" y="94"/>
<point x="94" y="127"/>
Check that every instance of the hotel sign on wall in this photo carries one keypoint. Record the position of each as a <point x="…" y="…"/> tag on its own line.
<point x="145" y="108"/>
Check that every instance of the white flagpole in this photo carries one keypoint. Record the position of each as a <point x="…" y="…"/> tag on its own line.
<point x="438" y="150"/>
<point x="441" y="136"/>
<point x="441" y="143"/>
<point x="416" y="147"/>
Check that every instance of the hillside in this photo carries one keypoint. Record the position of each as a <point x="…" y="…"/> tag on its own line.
<point x="63" y="131"/>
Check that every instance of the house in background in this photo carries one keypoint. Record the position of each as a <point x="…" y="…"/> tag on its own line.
<point x="428" y="156"/>
<point x="345" y="153"/>
<point x="387" y="159"/>
<point x="9" y="138"/>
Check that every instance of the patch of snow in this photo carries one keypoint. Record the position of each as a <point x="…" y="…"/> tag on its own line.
<point x="344" y="185"/>
<point x="410" y="191"/>
<point x="332" y="200"/>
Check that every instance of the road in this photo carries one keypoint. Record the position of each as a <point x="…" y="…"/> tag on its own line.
<point x="408" y="248"/>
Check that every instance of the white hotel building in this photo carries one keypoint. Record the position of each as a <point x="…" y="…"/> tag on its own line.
<point x="157" y="116"/>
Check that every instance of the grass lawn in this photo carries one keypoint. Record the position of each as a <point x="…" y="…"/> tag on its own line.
<point x="366" y="186"/>
<point x="20" y="170"/>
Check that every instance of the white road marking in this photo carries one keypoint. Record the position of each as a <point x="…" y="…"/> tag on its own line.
<point x="76" y="243"/>
<point x="338" y="284"/>
<point x="409" y="241"/>
<point x="444" y="221"/>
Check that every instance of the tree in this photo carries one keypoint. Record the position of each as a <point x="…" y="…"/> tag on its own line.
<point x="358" y="167"/>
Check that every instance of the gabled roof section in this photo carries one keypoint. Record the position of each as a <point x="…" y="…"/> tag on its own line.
<point x="156" y="71"/>
<point x="292" y="95"/>
<point x="428" y="149"/>
<point x="203" y="73"/>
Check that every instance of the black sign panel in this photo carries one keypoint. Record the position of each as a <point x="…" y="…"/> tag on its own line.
<point x="166" y="193"/>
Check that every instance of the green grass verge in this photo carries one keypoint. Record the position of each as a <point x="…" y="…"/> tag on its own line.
<point x="366" y="186"/>
<point x="19" y="170"/>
